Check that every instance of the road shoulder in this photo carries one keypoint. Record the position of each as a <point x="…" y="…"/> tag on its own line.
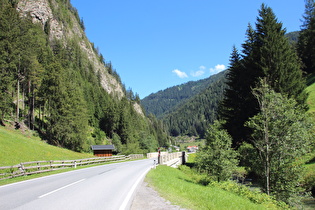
<point x="147" y="198"/>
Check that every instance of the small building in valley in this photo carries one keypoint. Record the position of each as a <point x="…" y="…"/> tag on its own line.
<point x="192" y="148"/>
<point x="103" y="150"/>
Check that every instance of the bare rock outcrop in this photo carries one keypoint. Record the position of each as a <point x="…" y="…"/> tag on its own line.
<point x="41" y="12"/>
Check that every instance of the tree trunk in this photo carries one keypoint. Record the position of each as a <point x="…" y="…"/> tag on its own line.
<point x="267" y="171"/>
<point x="29" y="104"/>
<point x="18" y="101"/>
<point x="33" y="107"/>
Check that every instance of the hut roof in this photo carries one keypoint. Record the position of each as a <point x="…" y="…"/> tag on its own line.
<point x="103" y="147"/>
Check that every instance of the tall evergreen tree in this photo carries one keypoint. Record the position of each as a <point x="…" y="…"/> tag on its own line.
<point x="239" y="103"/>
<point x="306" y="42"/>
<point x="266" y="54"/>
<point x="277" y="61"/>
<point x="9" y="33"/>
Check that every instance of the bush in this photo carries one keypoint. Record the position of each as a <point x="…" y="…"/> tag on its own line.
<point x="253" y="195"/>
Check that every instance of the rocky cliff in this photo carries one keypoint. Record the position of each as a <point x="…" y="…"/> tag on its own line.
<point x="45" y="12"/>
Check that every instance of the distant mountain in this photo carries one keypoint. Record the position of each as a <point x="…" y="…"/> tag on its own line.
<point x="193" y="117"/>
<point x="293" y="37"/>
<point x="167" y="100"/>
<point x="187" y="109"/>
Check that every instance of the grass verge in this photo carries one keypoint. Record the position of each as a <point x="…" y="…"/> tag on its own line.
<point x="187" y="188"/>
<point x="181" y="189"/>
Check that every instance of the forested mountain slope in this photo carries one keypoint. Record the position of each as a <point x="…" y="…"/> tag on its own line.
<point x="168" y="100"/>
<point x="187" y="109"/>
<point x="193" y="117"/>
<point x="55" y="81"/>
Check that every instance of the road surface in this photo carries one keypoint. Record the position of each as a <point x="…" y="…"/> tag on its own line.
<point x="100" y="187"/>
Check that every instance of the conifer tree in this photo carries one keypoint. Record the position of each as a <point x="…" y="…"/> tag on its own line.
<point x="276" y="60"/>
<point x="306" y="42"/>
<point x="231" y="107"/>
<point x="266" y="54"/>
<point x="9" y="59"/>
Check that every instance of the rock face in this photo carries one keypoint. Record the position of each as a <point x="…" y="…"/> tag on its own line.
<point x="41" y="12"/>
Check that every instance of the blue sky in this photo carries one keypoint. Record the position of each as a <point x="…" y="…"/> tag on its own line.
<point x="156" y="44"/>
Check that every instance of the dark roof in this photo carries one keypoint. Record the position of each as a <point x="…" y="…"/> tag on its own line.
<point x="103" y="147"/>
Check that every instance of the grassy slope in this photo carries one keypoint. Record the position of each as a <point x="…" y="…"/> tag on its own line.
<point x="16" y="147"/>
<point x="311" y="103"/>
<point x="311" y="98"/>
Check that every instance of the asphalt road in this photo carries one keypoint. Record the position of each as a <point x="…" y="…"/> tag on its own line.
<point x="101" y="187"/>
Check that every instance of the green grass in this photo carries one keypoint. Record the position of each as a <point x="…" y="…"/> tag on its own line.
<point x="311" y="98"/>
<point x="16" y="148"/>
<point x="198" y="142"/>
<point x="181" y="189"/>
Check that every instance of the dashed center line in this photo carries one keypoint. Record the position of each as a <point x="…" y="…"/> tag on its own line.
<point x="61" y="188"/>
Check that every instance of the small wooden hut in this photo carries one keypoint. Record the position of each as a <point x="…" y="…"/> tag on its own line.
<point x="103" y="150"/>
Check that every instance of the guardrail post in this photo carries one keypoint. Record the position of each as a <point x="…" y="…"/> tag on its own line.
<point x="183" y="158"/>
<point x="21" y="167"/>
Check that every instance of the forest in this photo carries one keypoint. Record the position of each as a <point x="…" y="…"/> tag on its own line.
<point x="263" y="124"/>
<point x="254" y="115"/>
<point x="50" y="85"/>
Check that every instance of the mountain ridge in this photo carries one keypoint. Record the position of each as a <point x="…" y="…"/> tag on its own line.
<point x="55" y="82"/>
<point x="42" y="12"/>
<point x="175" y="96"/>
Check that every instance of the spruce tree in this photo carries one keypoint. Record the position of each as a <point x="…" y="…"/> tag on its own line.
<point x="266" y="54"/>
<point x="276" y="60"/>
<point x="230" y="108"/>
<point x="239" y="104"/>
<point x="9" y="33"/>
<point x="306" y="42"/>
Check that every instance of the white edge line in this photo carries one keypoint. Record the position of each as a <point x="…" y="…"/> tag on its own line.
<point x="133" y="188"/>
<point x="61" y="188"/>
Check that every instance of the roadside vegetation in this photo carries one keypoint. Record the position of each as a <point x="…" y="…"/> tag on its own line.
<point x="189" y="189"/>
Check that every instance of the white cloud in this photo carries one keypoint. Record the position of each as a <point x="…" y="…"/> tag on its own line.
<point x="180" y="73"/>
<point x="217" y="69"/>
<point x="202" y="68"/>
<point x="198" y="73"/>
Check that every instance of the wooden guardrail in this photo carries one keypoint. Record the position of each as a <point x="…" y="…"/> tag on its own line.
<point x="35" y="167"/>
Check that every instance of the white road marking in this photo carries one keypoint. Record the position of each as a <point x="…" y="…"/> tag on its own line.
<point x="61" y="188"/>
<point x="133" y="188"/>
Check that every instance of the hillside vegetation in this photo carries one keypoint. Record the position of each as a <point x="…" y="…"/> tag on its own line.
<point x="188" y="189"/>
<point x="168" y="100"/>
<point x="55" y="81"/>
<point x="187" y="109"/>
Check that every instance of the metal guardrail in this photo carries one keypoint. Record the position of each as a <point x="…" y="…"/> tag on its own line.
<point x="36" y="167"/>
